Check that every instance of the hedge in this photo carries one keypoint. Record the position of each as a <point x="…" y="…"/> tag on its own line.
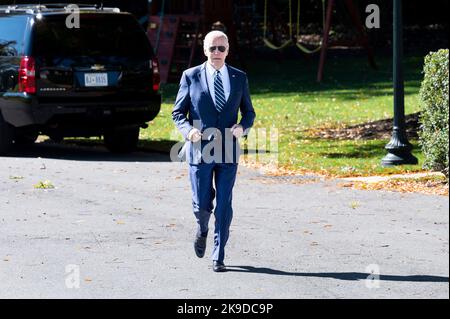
<point x="434" y="112"/>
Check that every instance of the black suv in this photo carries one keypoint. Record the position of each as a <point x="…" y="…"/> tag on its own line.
<point x="100" y="79"/>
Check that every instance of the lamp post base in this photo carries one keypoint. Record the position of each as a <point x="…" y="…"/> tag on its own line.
<point x="399" y="151"/>
<point x="403" y="158"/>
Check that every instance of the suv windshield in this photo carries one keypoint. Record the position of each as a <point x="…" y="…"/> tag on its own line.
<point x="98" y="35"/>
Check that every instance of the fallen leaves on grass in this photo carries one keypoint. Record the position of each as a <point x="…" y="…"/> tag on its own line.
<point x="381" y="129"/>
<point x="404" y="185"/>
<point x="433" y="185"/>
<point x="271" y="169"/>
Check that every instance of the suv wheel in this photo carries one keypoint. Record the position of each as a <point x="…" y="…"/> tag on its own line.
<point x="6" y="135"/>
<point x="122" y="140"/>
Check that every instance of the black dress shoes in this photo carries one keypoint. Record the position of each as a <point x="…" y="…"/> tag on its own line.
<point x="219" y="266"/>
<point x="200" y="245"/>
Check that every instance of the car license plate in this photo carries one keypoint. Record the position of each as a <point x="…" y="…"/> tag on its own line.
<point x="96" y="79"/>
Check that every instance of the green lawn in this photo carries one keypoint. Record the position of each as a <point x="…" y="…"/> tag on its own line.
<point x="286" y="96"/>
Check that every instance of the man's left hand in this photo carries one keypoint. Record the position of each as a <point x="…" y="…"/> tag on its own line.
<point x="237" y="130"/>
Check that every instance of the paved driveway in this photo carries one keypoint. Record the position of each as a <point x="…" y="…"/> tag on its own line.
<point x="122" y="227"/>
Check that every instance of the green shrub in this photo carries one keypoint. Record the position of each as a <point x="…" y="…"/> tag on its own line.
<point x="434" y="115"/>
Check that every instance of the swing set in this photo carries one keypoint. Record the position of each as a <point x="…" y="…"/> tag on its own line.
<point x="291" y="38"/>
<point x="175" y="29"/>
<point x="327" y="14"/>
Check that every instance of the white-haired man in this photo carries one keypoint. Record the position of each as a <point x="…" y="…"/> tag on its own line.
<point x="206" y="113"/>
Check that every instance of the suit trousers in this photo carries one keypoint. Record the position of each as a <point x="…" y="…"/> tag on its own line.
<point x="202" y="177"/>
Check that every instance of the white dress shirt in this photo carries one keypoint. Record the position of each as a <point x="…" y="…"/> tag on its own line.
<point x="210" y="72"/>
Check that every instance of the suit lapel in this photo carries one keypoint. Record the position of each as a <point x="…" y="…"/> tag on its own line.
<point x="233" y="78"/>
<point x="204" y="82"/>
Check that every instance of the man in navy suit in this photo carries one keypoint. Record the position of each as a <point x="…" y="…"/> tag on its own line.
<point x="206" y="113"/>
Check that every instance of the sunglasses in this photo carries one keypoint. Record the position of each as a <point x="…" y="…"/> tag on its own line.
<point x="221" y="48"/>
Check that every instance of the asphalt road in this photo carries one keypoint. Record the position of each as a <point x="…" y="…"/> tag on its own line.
<point x="122" y="227"/>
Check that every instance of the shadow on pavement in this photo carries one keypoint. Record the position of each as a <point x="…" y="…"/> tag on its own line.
<point x="336" y="275"/>
<point x="87" y="151"/>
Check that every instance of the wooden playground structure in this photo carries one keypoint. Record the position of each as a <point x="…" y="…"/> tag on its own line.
<point x="176" y="29"/>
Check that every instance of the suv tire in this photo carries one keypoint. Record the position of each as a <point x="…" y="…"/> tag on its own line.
<point x="122" y="140"/>
<point x="6" y="136"/>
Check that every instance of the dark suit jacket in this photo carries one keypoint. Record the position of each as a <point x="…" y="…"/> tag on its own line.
<point x="194" y="107"/>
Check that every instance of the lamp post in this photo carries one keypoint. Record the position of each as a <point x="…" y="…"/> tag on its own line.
<point x="399" y="149"/>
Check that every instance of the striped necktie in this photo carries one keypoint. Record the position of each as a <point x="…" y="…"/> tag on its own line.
<point x="219" y="92"/>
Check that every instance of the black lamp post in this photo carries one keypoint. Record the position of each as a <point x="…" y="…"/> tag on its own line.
<point x="399" y="148"/>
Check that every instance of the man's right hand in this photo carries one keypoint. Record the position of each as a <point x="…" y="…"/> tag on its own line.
<point x="194" y="135"/>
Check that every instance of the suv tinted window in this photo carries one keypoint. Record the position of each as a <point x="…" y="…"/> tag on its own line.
<point x="98" y="35"/>
<point x="12" y="31"/>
